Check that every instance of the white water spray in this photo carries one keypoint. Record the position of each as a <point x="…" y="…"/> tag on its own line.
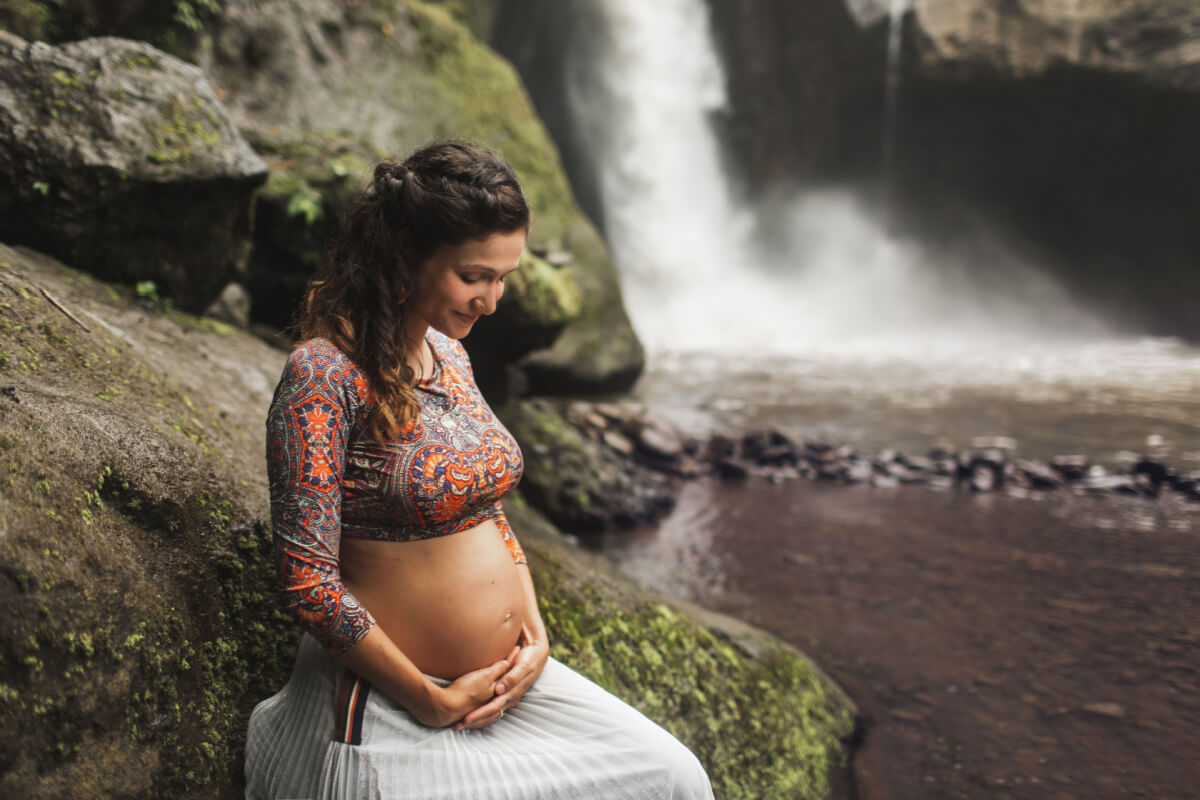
<point x="696" y="274"/>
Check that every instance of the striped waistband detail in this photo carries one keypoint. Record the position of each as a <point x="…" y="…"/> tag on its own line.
<point x="350" y="716"/>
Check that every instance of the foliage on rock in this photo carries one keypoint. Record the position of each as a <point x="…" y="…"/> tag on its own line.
<point x="314" y="176"/>
<point x="172" y="26"/>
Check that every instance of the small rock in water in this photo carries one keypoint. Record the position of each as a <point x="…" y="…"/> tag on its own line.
<point x="619" y="442"/>
<point x="659" y="439"/>
<point x="1039" y="475"/>
<point x="884" y="482"/>
<point x="1155" y="471"/>
<point x="731" y="469"/>
<point x="917" y="462"/>
<point x="858" y="471"/>
<point x="1111" y="483"/>
<point x="1155" y="440"/>
<point x="1070" y="467"/>
<point x="1115" y="710"/>
<point x="983" y="477"/>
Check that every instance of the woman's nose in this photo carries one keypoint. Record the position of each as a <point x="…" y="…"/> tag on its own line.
<point x="487" y="302"/>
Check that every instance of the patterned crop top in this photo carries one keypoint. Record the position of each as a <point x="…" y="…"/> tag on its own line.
<point x="445" y="473"/>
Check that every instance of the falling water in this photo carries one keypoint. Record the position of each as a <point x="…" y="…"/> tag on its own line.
<point x="891" y="99"/>
<point x="706" y="271"/>
<point x="672" y="223"/>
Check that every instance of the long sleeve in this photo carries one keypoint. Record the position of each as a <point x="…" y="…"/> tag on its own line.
<point x="308" y="427"/>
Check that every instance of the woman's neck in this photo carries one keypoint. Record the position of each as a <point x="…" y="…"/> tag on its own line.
<point x="420" y="357"/>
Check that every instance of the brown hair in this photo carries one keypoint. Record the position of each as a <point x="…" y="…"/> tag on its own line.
<point x="445" y="193"/>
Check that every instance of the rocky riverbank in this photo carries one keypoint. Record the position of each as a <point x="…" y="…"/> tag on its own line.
<point x="636" y="461"/>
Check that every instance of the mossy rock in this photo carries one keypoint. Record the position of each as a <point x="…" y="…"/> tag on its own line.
<point x="539" y="300"/>
<point x="120" y="159"/>
<point x="314" y="175"/>
<point x="580" y="483"/>
<point x="326" y="65"/>
<point x="140" y="624"/>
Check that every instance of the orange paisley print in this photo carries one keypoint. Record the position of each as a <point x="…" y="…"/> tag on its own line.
<point x="444" y="473"/>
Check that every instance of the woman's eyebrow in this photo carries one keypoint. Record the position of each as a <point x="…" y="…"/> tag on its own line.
<point x="486" y="268"/>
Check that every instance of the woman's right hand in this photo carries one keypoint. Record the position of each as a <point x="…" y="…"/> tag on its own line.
<point x="449" y="704"/>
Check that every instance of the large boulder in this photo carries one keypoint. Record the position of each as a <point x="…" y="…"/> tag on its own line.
<point x="1152" y="40"/>
<point x="120" y="159"/>
<point x="291" y="68"/>
<point x="140" y="625"/>
<point x="581" y="483"/>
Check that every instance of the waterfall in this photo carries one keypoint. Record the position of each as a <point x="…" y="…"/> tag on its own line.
<point x="706" y="271"/>
<point x="891" y="98"/>
<point x="672" y="224"/>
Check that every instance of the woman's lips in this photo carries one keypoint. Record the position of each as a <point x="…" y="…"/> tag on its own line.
<point x="467" y="318"/>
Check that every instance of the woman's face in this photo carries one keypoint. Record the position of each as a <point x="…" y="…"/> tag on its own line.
<point x="459" y="283"/>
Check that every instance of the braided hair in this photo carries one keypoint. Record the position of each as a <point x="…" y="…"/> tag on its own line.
<point x="444" y="194"/>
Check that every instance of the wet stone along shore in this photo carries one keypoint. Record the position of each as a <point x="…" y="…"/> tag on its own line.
<point x="647" y="449"/>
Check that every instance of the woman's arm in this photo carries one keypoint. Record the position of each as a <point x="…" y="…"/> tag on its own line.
<point x="378" y="660"/>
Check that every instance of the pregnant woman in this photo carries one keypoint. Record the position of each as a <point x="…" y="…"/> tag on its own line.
<point x="424" y="671"/>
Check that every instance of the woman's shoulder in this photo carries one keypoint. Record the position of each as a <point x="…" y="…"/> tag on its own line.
<point x="319" y="361"/>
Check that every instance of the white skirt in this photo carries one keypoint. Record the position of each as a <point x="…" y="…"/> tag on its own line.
<point x="566" y="738"/>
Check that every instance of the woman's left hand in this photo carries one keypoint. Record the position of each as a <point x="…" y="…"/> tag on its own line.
<point x="527" y="658"/>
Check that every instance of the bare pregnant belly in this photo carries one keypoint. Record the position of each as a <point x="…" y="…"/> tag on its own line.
<point x="452" y="603"/>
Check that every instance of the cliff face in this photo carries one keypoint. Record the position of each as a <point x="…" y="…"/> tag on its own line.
<point x="1066" y="125"/>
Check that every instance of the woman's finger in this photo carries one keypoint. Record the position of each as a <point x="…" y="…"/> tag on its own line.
<point x="484" y="715"/>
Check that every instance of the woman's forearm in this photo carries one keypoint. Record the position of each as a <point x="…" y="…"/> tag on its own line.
<point x="378" y="660"/>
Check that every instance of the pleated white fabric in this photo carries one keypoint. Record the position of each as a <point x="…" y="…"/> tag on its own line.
<point x="567" y="738"/>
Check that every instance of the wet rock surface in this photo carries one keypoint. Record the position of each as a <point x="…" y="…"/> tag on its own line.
<point x="120" y="159"/>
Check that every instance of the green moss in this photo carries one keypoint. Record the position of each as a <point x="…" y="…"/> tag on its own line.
<point x="484" y="100"/>
<point x="140" y="628"/>
<point x="182" y="129"/>
<point x="28" y="19"/>
<point x="545" y="293"/>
